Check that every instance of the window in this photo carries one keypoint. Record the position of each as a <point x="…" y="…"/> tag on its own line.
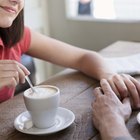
<point x="104" y="9"/>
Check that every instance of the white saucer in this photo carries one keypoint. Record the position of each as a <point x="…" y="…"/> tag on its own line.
<point x="64" y="119"/>
<point x="138" y="117"/>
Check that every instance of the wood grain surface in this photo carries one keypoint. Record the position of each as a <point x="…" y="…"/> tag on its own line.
<point x="76" y="95"/>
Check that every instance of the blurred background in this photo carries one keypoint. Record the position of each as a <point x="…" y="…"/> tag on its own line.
<point x="89" y="24"/>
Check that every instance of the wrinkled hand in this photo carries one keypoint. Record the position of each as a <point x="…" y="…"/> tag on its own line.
<point x="109" y="113"/>
<point x="125" y="86"/>
<point x="12" y="73"/>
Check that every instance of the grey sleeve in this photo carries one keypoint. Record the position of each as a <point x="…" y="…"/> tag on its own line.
<point x="124" y="138"/>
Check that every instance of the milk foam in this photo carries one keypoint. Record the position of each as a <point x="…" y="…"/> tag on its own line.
<point x="42" y="92"/>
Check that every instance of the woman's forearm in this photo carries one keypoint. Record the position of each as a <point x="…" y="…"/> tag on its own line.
<point x="93" y="64"/>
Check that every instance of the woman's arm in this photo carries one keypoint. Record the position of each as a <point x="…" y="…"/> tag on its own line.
<point x="86" y="61"/>
<point x="63" y="54"/>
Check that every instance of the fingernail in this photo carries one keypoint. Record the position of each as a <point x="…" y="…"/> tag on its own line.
<point x="23" y="81"/>
<point x="29" y="73"/>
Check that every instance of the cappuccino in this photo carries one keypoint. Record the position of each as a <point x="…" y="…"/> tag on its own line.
<point x="42" y="105"/>
<point x="41" y="92"/>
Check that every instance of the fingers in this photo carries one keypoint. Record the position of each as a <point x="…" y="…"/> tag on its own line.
<point x="14" y="64"/>
<point x="21" y="74"/>
<point x="109" y="104"/>
<point x="24" y="69"/>
<point x="97" y="93"/>
<point x="133" y="92"/>
<point x="114" y="88"/>
<point x="120" y="85"/>
<point x="126" y="102"/>
<point x="6" y="74"/>
<point x="12" y="73"/>
<point x="126" y="86"/>
<point x="136" y="82"/>
<point x="10" y="82"/>
<point x="107" y="88"/>
<point x="127" y="108"/>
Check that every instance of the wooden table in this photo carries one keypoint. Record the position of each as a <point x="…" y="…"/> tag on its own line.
<point x="76" y="95"/>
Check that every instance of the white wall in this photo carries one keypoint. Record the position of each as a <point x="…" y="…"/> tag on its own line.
<point x="93" y="35"/>
<point x="36" y="17"/>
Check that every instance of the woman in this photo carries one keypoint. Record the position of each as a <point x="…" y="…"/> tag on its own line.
<point x="17" y="39"/>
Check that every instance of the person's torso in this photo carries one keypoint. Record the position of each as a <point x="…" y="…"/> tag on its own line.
<point x="13" y="53"/>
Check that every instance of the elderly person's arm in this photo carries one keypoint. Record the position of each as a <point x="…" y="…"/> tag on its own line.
<point x="110" y="114"/>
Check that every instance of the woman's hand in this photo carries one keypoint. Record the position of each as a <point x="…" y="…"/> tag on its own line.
<point x="12" y="73"/>
<point x="125" y="86"/>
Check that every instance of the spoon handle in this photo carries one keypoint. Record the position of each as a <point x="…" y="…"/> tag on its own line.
<point x="29" y="82"/>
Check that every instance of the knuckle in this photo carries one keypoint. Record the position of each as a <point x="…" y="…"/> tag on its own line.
<point x="14" y="61"/>
<point x="124" y="89"/>
<point x="116" y="76"/>
<point x="123" y="75"/>
<point x="16" y="67"/>
<point x="16" y="74"/>
<point x="13" y="81"/>
<point x="96" y="90"/>
<point x="132" y="87"/>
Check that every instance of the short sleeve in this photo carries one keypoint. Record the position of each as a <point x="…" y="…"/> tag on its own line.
<point x="26" y="40"/>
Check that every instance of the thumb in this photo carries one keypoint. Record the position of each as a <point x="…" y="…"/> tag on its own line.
<point x="126" y="102"/>
<point x="127" y="108"/>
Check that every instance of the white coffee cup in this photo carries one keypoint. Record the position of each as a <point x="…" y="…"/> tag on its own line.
<point x="42" y="105"/>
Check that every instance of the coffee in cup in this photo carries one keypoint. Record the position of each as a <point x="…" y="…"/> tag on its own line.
<point x="42" y="105"/>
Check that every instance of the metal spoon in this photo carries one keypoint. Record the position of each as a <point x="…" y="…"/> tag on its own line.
<point x="30" y="83"/>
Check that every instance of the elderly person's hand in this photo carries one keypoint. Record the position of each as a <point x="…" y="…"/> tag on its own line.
<point x="125" y="85"/>
<point x="109" y="113"/>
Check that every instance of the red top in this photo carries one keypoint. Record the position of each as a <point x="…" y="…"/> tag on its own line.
<point x="13" y="53"/>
